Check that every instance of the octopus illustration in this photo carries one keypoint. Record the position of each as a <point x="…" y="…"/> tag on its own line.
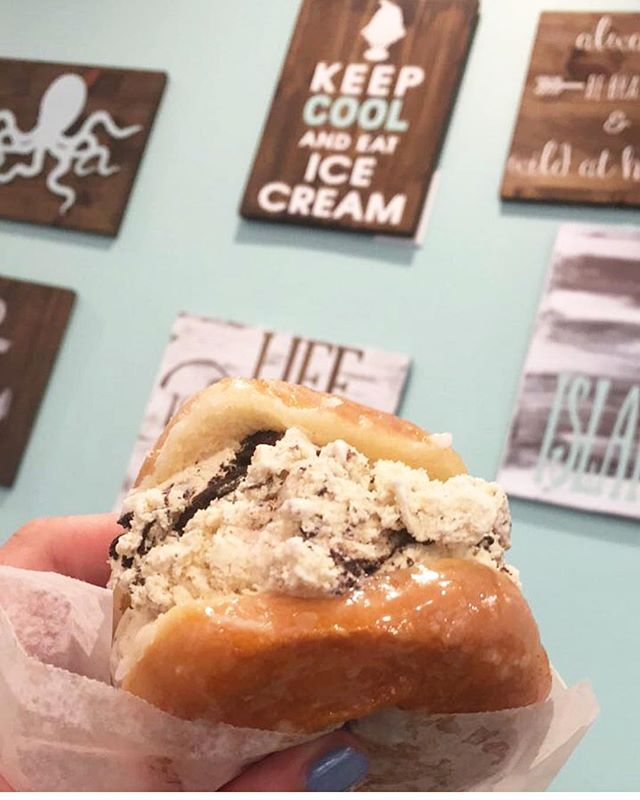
<point x="60" y="107"/>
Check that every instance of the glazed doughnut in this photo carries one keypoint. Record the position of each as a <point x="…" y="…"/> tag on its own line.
<point x="291" y="560"/>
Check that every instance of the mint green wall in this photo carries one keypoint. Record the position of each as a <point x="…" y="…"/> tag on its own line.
<point x="462" y="306"/>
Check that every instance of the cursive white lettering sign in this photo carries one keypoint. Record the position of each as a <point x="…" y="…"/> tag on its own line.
<point x="605" y="39"/>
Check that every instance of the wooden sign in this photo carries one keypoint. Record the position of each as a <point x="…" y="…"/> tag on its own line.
<point x="71" y="141"/>
<point x="577" y="138"/>
<point x="355" y="127"/>
<point x="33" y="319"/>
<point x="575" y="436"/>
<point x="202" y="351"/>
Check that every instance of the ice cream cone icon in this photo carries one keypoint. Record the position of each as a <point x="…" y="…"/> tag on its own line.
<point x="385" y="27"/>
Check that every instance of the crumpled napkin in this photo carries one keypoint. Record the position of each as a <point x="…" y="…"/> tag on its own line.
<point x="63" y="727"/>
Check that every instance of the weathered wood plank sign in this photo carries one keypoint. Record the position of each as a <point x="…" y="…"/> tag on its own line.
<point x="575" y="435"/>
<point x="202" y="351"/>
<point x="33" y="319"/>
<point x="577" y="138"/>
<point x="355" y="126"/>
<point x="71" y="140"/>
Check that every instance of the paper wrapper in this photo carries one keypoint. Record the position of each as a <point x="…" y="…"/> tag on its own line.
<point x="64" y="728"/>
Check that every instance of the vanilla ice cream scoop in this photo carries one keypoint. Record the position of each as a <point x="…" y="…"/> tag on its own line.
<point x="275" y="513"/>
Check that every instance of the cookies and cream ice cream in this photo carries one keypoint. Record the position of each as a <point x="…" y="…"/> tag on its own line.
<point x="292" y="560"/>
<point x="277" y="514"/>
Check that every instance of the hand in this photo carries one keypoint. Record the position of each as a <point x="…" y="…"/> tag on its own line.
<point x="77" y="547"/>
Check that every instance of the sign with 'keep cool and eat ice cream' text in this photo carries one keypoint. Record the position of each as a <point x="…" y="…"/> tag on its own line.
<point x="203" y="351"/>
<point x="577" y="138"/>
<point x="355" y="126"/>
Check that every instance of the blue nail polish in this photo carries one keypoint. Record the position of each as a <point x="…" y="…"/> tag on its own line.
<point x="337" y="771"/>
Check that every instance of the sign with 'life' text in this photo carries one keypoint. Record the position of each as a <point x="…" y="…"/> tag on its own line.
<point x="202" y="351"/>
<point x="575" y="435"/>
<point x="577" y="138"/>
<point x="355" y="127"/>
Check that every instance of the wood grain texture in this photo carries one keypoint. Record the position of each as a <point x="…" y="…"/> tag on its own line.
<point x="131" y="97"/>
<point x="437" y="39"/>
<point x="33" y="319"/>
<point x="576" y="117"/>
<point x="575" y="433"/>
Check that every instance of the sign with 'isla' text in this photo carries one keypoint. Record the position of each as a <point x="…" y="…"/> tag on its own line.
<point x="575" y="435"/>
<point x="577" y="138"/>
<point x="354" y="131"/>
<point x="202" y="351"/>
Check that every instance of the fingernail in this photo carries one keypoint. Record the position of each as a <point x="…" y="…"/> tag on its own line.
<point x="337" y="771"/>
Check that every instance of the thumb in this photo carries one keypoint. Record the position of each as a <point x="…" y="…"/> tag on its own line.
<point x="334" y="763"/>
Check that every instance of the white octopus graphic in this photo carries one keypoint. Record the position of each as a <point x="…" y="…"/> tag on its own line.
<point x="60" y="107"/>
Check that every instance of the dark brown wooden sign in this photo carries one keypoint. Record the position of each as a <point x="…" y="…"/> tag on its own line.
<point x="359" y="113"/>
<point x="577" y="138"/>
<point x="33" y="319"/>
<point x="71" y="141"/>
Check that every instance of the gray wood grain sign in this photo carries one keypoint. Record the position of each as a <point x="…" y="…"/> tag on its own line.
<point x="574" y="438"/>
<point x="202" y="351"/>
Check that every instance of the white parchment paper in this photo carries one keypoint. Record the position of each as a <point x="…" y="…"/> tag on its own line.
<point x="64" y="728"/>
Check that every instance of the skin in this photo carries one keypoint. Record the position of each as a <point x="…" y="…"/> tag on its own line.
<point x="77" y="547"/>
